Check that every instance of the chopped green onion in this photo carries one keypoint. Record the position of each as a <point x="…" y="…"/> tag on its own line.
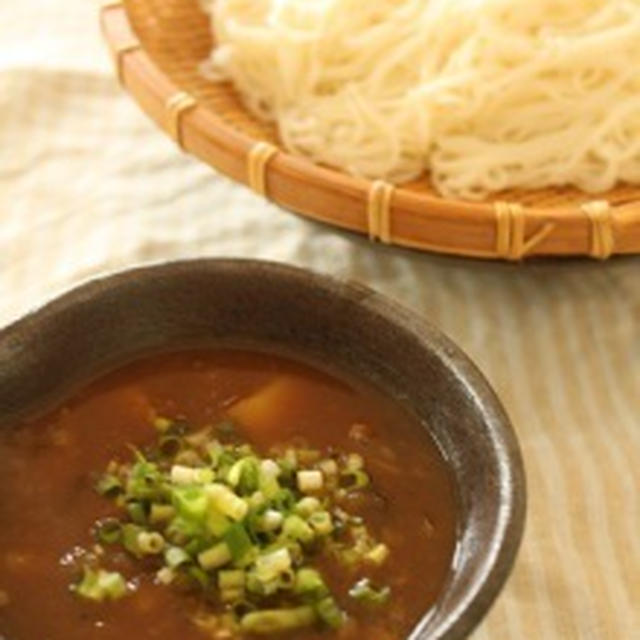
<point x="196" y="545"/>
<point x="354" y="479"/>
<point x="130" y="533"/>
<point x="283" y="500"/>
<point x="199" y="576"/>
<point x="190" y="502"/>
<point x="307" y="506"/>
<point x="244" y="475"/>
<point x="161" y="424"/>
<point x="268" y="474"/>
<point x="310" y="585"/>
<point x="143" y="480"/>
<point x="329" y="612"/>
<point x="269" y="566"/>
<point x="217" y="523"/>
<point x="287" y="579"/>
<point x="226" y="501"/>
<point x="100" y="585"/>
<point x="214" y="557"/>
<point x="277" y="620"/>
<point x="109" y="531"/>
<point x="354" y="462"/>
<point x="271" y="520"/>
<point x="175" y="557"/>
<point x="259" y="587"/>
<point x="329" y="467"/>
<point x="165" y="576"/>
<point x="321" y="523"/>
<point x="231" y="585"/>
<point x="364" y="592"/>
<point x="183" y="475"/>
<point x="287" y="471"/>
<point x="161" y="513"/>
<point x="310" y="481"/>
<point x="109" y="485"/>
<point x="169" y="445"/>
<point x="256" y="500"/>
<point x="181" y="530"/>
<point x="291" y="458"/>
<point x="296" y="528"/>
<point x="378" y="554"/>
<point x="137" y="511"/>
<point x="150" y="543"/>
<point x="296" y="552"/>
<point x="238" y="541"/>
<point x="231" y="579"/>
<point x="215" y="451"/>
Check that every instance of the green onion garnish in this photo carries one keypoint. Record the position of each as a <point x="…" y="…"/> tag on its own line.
<point x="213" y="515"/>
<point x="100" y="585"/>
<point x="109" y="485"/>
<point x="363" y="591"/>
<point x="109" y="531"/>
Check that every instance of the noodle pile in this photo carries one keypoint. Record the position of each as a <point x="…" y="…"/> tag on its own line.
<point x="483" y="95"/>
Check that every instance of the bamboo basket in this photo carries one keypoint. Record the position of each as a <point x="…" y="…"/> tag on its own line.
<point x="157" y="46"/>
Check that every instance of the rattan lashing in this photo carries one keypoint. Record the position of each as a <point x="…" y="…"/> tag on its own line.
<point x="157" y="46"/>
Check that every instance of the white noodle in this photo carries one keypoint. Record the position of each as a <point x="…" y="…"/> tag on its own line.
<point x="483" y="95"/>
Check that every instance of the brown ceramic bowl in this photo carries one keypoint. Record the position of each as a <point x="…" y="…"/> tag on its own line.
<point x="110" y="321"/>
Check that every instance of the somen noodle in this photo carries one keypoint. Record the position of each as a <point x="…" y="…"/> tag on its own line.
<point x="482" y="95"/>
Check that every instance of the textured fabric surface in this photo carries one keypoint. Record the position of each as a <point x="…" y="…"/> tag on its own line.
<point x="88" y="185"/>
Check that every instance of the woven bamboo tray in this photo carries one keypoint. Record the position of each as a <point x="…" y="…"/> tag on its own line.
<point x="157" y="46"/>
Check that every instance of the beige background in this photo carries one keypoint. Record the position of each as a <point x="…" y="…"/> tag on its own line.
<point x="87" y="185"/>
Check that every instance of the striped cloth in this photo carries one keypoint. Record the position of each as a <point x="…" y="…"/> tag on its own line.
<point x="87" y="185"/>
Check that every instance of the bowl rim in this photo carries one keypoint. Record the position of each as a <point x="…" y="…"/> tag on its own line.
<point x="506" y="537"/>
